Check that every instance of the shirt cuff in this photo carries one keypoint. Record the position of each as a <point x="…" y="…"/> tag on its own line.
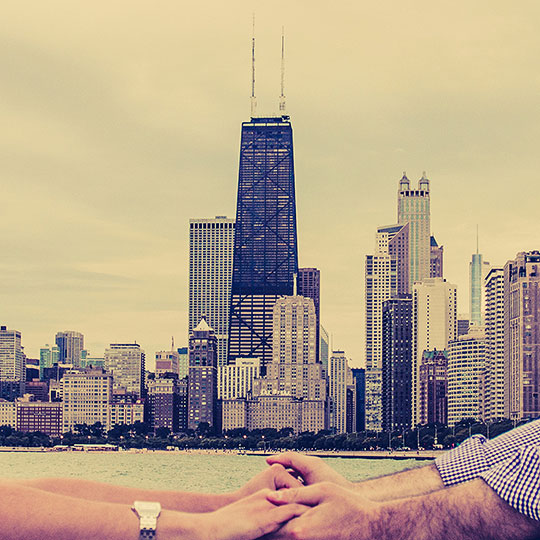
<point x="463" y="463"/>
<point x="517" y="481"/>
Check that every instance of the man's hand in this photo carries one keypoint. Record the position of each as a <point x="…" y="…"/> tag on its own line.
<point x="335" y="512"/>
<point x="275" y="477"/>
<point x="247" y="519"/>
<point x="311" y="469"/>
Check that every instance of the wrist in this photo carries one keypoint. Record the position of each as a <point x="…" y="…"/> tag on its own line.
<point x="181" y="525"/>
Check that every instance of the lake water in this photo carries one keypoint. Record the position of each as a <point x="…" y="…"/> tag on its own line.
<point x="174" y="470"/>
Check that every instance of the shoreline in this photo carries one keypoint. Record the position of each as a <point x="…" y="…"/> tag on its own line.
<point x="423" y="455"/>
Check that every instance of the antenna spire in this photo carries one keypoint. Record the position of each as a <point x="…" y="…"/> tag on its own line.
<point x="282" y="95"/>
<point x="477" y="251"/>
<point x="253" y="100"/>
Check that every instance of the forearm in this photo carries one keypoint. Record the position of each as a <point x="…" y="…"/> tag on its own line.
<point x="32" y="513"/>
<point x="96" y="491"/>
<point x="413" y="482"/>
<point x="470" y="511"/>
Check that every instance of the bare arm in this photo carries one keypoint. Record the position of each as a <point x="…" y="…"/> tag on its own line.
<point x="394" y="486"/>
<point x="273" y="478"/>
<point x="469" y="511"/>
<point x="31" y="513"/>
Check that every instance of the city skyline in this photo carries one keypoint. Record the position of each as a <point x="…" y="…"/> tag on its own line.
<point x="113" y="148"/>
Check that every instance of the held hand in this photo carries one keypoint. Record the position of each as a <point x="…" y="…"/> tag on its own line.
<point x="248" y="518"/>
<point x="311" y="469"/>
<point x="275" y="477"/>
<point x="335" y="512"/>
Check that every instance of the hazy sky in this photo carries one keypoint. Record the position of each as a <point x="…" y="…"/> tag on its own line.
<point x="122" y="121"/>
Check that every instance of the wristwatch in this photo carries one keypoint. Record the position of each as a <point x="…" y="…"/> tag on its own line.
<point x="148" y="513"/>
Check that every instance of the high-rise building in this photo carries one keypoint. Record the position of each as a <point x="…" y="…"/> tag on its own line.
<point x="324" y="349"/>
<point x="413" y="208"/>
<point x="394" y="240"/>
<point x="466" y="364"/>
<point x="86" y="396"/>
<point x="493" y="387"/>
<point x="126" y="363"/>
<point x="164" y="397"/>
<point x="434" y="326"/>
<point x="436" y="259"/>
<point x="183" y="362"/>
<point x="202" y="392"/>
<point x="265" y="258"/>
<point x="70" y="345"/>
<point x="236" y="380"/>
<point x="210" y="273"/>
<point x="309" y="286"/>
<point x="48" y="357"/>
<point x="126" y="409"/>
<point x="433" y="387"/>
<point x="12" y="358"/>
<point x="396" y="363"/>
<point x="8" y="413"/>
<point x="338" y="381"/>
<point x="359" y="375"/>
<point x="167" y="362"/>
<point x="478" y="270"/>
<point x="381" y="284"/>
<point x="522" y="335"/>
<point x="463" y="325"/>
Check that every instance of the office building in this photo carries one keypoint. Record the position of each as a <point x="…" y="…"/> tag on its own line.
<point x="309" y="286"/>
<point x="436" y="254"/>
<point x="8" y="413"/>
<point x="466" y="364"/>
<point x="12" y="359"/>
<point x="210" y="274"/>
<point x="463" y="325"/>
<point x="394" y="240"/>
<point x="433" y="387"/>
<point x="414" y="209"/>
<point x="265" y="258"/>
<point x="521" y="335"/>
<point x="235" y="380"/>
<point x="202" y="393"/>
<point x="324" y="349"/>
<point x="381" y="284"/>
<point x="359" y="375"/>
<point x="434" y="326"/>
<point x="167" y="362"/>
<point x="70" y="345"/>
<point x="183" y="362"/>
<point x="126" y="363"/>
<point x="478" y="270"/>
<point x="45" y="417"/>
<point x="126" y="409"/>
<point x="86" y="396"/>
<point x="48" y="357"/>
<point x="338" y="381"/>
<point x="396" y="363"/>
<point x="493" y="387"/>
<point x="164" y="397"/>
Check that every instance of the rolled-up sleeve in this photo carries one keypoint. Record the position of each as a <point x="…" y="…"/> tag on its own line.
<point x="477" y="455"/>
<point x="517" y="481"/>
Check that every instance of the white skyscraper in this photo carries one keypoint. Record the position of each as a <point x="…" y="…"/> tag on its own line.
<point x="493" y="387"/>
<point x="381" y="284"/>
<point x="434" y="326"/>
<point x="236" y="380"/>
<point x="210" y="273"/>
<point x="12" y="358"/>
<point x="126" y="363"/>
<point x="466" y="362"/>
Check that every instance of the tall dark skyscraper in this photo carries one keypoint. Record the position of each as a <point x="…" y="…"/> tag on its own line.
<point x="396" y="363"/>
<point x="265" y="255"/>
<point x="309" y="286"/>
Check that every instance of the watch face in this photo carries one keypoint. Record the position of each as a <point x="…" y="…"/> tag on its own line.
<point x="147" y="508"/>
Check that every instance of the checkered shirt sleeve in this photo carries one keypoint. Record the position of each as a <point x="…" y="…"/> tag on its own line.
<point x="476" y="455"/>
<point x="509" y="464"/>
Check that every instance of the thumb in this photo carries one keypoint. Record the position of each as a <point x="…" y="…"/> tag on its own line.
<point x="310" y="495"/>
<point x="283" y="479"/>
<point x="295" y="461"/>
